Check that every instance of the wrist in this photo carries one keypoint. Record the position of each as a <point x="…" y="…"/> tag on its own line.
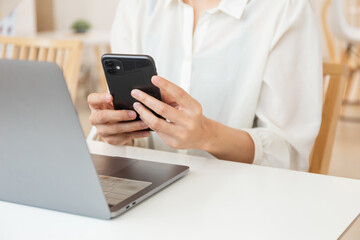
<point x="209" y="136"/>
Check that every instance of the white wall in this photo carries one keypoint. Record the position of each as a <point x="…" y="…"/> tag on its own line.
<point x="22" y="21"/>
<point x="25" y="19"/>
<point x="6" y="7"/>
<point x="99" y="13"/>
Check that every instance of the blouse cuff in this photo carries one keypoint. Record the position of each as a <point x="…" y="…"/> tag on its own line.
<point x="271" y="149"/>
<point x="259" y="151"/>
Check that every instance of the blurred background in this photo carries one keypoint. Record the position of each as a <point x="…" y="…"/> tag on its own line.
<point x="53" y="29"/>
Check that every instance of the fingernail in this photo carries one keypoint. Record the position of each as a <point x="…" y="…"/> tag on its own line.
<point x="132" y="114"/>
<point x="136" y="105"/>
<point x="155" y="79"/>
<point x="143" y="124"/>
<point x="135" y="93"/>
<point x="108" y="97"/>
<point x="145" y="134"/>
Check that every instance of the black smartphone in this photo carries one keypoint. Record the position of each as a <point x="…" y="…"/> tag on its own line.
<point x="125" y="72"/>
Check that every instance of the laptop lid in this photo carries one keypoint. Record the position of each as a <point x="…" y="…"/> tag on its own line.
<point x="44" y="160"/>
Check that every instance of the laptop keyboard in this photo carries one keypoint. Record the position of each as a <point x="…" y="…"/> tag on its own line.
<point x="117" y="190"/>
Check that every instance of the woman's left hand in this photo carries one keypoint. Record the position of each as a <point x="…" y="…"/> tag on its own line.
<point x="186" y="127"/>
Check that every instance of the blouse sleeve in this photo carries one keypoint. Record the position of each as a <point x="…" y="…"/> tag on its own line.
<point x="288" y="115"/>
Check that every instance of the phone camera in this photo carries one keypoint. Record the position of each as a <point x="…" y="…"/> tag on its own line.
<point x="113" y="66"/>
<point x="109" y="63"/>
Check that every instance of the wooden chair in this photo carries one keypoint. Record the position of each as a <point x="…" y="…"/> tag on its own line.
<point x="99" y="51"/>
<point x="67" y="54"/>
<point x="344" y="43"/>
<point x="334" y="88"/>
<point x="328" y="36"/>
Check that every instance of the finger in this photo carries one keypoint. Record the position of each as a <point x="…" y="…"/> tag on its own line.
<point x="117" y="128"/>
<point x="100" y="101"/>
<point x="155" y="123"/>
<point x="179" y="94"/>
<point x="159" y="107"/>
<point x="111" y="116"/>
<point x="121" y="139"/>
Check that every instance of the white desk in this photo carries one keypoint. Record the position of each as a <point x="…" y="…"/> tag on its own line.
<point x="216" y="200"/>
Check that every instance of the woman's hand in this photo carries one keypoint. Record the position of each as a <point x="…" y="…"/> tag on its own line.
<point x="110" y="123"/>
<point x="186" y="127"/>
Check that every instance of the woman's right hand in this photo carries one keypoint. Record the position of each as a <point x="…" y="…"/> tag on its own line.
<point x="112" y="125"/>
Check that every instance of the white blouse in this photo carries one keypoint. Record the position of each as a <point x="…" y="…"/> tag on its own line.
<point x="253" y="65"/>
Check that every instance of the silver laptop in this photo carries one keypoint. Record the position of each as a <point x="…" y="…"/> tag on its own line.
<point x="44" y="159"/>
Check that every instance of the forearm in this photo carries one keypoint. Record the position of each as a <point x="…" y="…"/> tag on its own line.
<point x="228" y="143"/>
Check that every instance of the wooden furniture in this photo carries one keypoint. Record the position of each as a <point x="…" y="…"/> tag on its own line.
<point x="334" y="85"/>
<point x="341" y="25"/>
<point x="216" y="200"/>
<point x="45" y="15"/>
<point x="343" y="43"/>
<point x="353" y="231"/>
<point x="95" y="43"/>
<point x="99" y="51"/>
<point x="328" y="36"/>
<point x="67" y="54"/>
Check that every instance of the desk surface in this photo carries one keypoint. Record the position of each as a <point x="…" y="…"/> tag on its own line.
<point x="216" y="200"/>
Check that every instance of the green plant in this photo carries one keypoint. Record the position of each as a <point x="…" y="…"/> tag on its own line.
<point x="81" y="26"/>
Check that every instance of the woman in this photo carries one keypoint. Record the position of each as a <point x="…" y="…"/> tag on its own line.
<point x="240" y="79"/>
